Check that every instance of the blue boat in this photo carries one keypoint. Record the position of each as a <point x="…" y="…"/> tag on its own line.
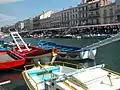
<point x="68" y="53"/>
<point x="61" y="48"/>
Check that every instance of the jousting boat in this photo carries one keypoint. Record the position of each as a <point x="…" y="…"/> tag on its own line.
<point x="9" y="59"/>
<point x="24" y="50"/>
<point x="61" y="77"/>
<point x="69" y="53"/>
<point x="31" y="52"/>
<point x="61" y="48"/>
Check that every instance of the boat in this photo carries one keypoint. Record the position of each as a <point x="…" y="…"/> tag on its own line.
<point x="61" y="48"/>
<point x="9" y="59"/>
<point x="31" y="52"/>
<point x="5" y="46"/>
<point x="52" y="76"/>
<point x="69" y="53"/>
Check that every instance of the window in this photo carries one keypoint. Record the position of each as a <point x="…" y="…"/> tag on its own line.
<point x="76" y="10"/>
<point x="111" y="12"/>
<point x="97" y="21"/>
<point x="73" y="16"/>
<point x="70" y="11"/>
<point x="105" y="13"/>
<point x="111" y="19"/>
<point x="97" y="5"/>
<point x="76" y="15"/>
<point x="86" y="8"/>
<point x="73" y="10"/>
<point x="82" y="8"/>
<point x="97" y="13"/>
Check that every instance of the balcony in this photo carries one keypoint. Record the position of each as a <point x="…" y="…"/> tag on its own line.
<point x="93" y="8"/>
<point x="93" y="16"/>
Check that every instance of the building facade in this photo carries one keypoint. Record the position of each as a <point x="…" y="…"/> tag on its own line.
<point x="108" y="14"/>
<point x="89" y="12"/>
<point x="117" y="2"/>
<point x="56" y="20"/>
<point x="43" y="20"/>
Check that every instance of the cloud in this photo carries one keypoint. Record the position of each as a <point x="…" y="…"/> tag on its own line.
<point x="9" y="1"/>
<point x="4" y="17"/>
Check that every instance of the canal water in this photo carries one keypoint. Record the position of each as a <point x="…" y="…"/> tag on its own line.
<point x="107" y="54"/>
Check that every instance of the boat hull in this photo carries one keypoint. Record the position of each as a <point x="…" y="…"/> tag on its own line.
<point x="9" y="59"/>
<point x="34" y="51"/>
<point x="61" y="48"/>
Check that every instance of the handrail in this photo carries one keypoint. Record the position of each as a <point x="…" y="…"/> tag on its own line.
<point x="32" y="79"/>
<point x="79" y="83"/>
<point x="46" y="70"/>
<point x="28" y="66"/>
<point x="63" y="63"/>
<point x="72" y="88"/>
<point x="112" y="71"/>
<point x="43" y="67"/>
<point x="34" y="65"/>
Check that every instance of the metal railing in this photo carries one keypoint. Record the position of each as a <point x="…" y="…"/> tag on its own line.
<point x="63" y="64"/>
<point x="53" y="76"/>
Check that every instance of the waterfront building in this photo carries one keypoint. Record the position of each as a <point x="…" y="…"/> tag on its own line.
<point x="43" y="20"/>
<point x="88" y="12"/>
<point x="56" y="20"/>
<point x="36" y="22"/>
<point x="117" y="2"/>
<point x="28" y="24"/>
<point x="17" y="25"/>
<point x="108" y="14"/>
<point x="25" y="25"/>
<point x="5" y="29"/>
<point x="44" y="23"/>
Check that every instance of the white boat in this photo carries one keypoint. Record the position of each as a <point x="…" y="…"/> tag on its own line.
<point x="58" y="77"/>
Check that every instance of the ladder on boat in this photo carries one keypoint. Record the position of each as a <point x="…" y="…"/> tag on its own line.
<point x="18" y="40"/>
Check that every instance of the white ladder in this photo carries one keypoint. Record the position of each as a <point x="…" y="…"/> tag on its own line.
<point x="18" y="40"/>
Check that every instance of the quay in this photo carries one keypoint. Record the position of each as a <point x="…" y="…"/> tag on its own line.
<point x="73" y="32"/>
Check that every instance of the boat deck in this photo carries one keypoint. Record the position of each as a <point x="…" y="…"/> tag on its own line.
<point x="5" y="57"/>
<point x="96" y="79"/>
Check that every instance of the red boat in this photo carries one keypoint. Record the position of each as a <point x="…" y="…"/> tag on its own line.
<point x="9" y="59"/>
<point x="27" y="52"/>
<point x="33" y="51"/>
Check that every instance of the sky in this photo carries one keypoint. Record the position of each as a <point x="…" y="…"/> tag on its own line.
<point x="12" y="11"/>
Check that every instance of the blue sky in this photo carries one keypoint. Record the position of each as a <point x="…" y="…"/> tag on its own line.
<point x="12" y="11"/>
